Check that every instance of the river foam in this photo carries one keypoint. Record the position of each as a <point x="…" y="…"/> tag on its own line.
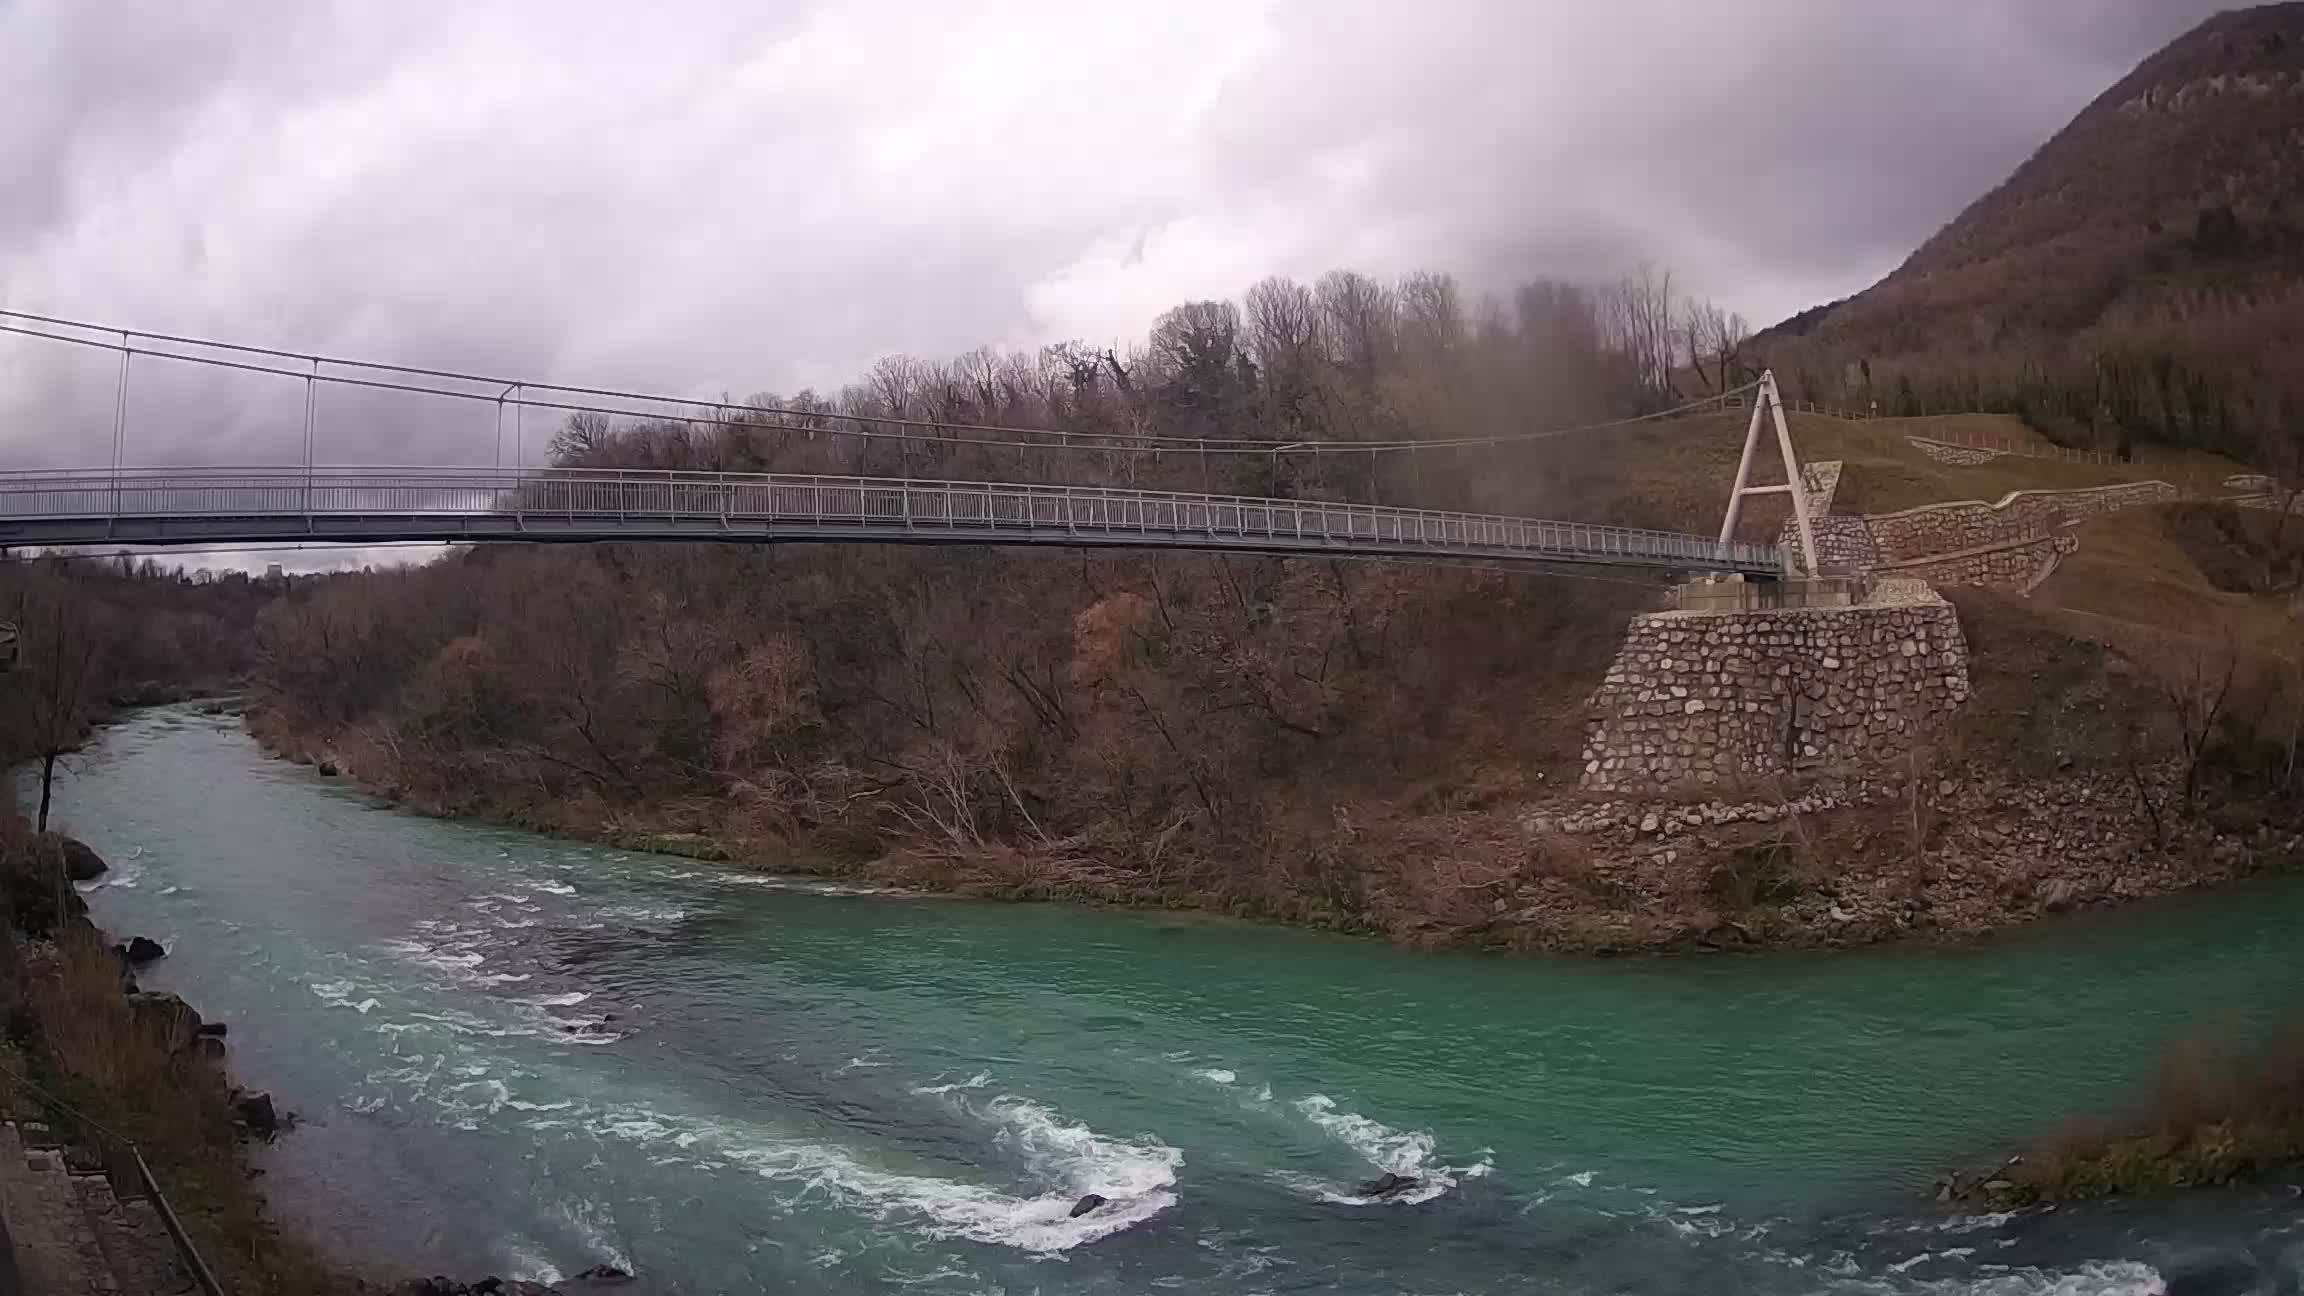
<point x="1408" y="1153"/>
<point x="1065" y="1159"/>
<point x="2099" y="1278"/>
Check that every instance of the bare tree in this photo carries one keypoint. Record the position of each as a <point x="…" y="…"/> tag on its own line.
<point x="1712" y="340"/>
<point x="1360" y="320"/>
<point x="52" y="694"/>
<point x="1198" y="346"/>
<point x="1283" y="334"/>
<point x="583" y="438"/>
<point x="2198" y="697"/>
<point x="1638" y="312"/>
<point x="1432" y="316"/>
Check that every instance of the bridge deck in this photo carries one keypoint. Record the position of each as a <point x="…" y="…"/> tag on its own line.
<point x="370" y="505"/>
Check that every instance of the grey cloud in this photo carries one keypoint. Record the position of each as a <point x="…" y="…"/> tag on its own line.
<point x="723" y="197"/>
<point x="1768" y="149"/>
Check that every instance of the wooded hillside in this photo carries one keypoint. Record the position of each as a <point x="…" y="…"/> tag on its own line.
<point x="2140" y="278"/>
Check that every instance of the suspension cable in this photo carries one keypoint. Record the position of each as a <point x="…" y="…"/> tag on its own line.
<point x="869" y="426"/>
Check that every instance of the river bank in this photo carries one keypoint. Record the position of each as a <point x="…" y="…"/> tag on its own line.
<point x="1926" y="852"/>
<point x="100" y="1063"/>
<point x="97" y="1060"/>
<point x="526" y="1056"/>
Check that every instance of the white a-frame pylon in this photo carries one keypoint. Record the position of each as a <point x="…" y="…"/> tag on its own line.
<point x="1765" y="403"/>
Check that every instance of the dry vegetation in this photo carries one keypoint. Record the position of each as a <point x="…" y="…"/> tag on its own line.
<point x="1183" y="730"/>
<point x="99" y="634"/>
<point x="96" y="635"/>
<point x="2216" y="1113"/>
<point x="72" y="1032"/>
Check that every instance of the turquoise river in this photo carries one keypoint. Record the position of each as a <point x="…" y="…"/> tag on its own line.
<point x="522" y="1056"/>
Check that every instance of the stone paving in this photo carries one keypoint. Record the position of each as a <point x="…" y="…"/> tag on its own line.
<point x="71" y="1234"/>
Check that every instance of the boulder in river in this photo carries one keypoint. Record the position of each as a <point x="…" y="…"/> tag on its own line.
<point x="1086" y="1204"/>
<point x="141" y="950"/>
<point x="81" y="862"/>
<point x="262" y="1119"/>
<point x="2215" y="1273"/>
<point x="602" y="1274"/>
<point x="1388" y="1184"/>
<point x="327" y="769"/>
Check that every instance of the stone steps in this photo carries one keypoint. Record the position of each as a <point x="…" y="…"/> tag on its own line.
<point x="71" y="1234"/>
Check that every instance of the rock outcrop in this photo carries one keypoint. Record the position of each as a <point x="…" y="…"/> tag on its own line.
<point x="81" y="862"/>
<point x="257" y="1113"/>
<point x="1389" y="1184"/>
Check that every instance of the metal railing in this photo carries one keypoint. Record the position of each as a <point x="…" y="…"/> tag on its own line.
<point x="124" y="1167"/>
<point x="181" y="505"/>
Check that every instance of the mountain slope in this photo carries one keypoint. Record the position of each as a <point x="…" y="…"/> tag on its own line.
<point x="2140" y="276"/>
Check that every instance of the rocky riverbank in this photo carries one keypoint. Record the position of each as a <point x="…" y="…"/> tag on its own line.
<point x="146" y="1065"/>
<point x="1857" y="860"/>
<point x="139" y="1065"/>
<point x="1922" y="852"/>
<point x="598" y="1278"/>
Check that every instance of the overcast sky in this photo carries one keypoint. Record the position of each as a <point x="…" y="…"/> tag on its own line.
<point x="739" y="196"/>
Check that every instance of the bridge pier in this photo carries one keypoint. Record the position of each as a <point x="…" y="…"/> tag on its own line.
<point x="1741" y="685"/>
<point x="1733" y="593"/>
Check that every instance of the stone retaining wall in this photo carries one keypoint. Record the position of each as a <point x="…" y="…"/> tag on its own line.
<point x="1696" y="699"/>
<point x="1843" y="544"/>
<point x="1956" y="455"/>
<point x="1970" y="524"/>
<point x="2019" y="566"/>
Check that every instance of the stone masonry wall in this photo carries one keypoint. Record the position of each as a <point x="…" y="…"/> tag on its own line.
<point x="1696" y="699"/>
<point x="1970" y="524"/>
<point x="1843" y="543"/>
<point x="2020" y="566"/>
<point x="1959" y="456"/>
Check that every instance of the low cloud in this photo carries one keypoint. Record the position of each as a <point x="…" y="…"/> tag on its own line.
<point x="712" y="198"/>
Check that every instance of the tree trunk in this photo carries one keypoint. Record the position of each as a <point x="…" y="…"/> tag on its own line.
<point x="47" y="785"/>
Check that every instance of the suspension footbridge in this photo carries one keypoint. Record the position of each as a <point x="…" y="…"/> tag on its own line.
<point x="119" y="504"/>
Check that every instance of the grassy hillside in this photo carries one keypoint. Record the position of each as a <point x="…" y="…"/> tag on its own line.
<point x="1676" y="474"/>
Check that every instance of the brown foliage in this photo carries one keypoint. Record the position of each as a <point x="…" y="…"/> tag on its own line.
<point x="1153" y="722"/>
<point x="90" y="634"/>
<point x="1121" y="724"/>
<point x="2216" y="1113"/>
